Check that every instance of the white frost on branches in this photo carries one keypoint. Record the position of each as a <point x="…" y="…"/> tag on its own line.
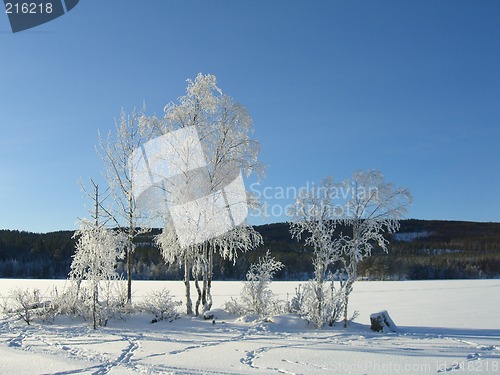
<point x="224" y="130"/>
<point x="256" y="297"/>
<point x="313" y="220"/>
<point x="97" y="251"/>
<point x="343" y="222"/>
<point x="116" y="152"/>
<point x="372" y="211"/>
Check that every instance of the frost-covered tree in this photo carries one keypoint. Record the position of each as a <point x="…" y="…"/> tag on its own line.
<point x="96" y="254"/>
<point x="313" y="220"/>
<point x="116" y="152"/>
<point x="224" y="130"/>
<point x="372" y="209"/>
<point x="97" y="251"/>
<point x="368" y="206"/>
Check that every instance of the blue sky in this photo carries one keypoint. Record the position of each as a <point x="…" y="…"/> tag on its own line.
<point x="411" y="88"/>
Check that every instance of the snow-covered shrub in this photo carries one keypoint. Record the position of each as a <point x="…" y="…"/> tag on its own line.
<point x="313" y="221"/>
<point x="161" y="304"/>
<point x="72" y="301"/>
<point x="4" y="306"/>
<point x="116" y="298"/>
<point x="256" y="297"/>
<point x="79" y="303"/>
<point x="334" y="303"/>
<point x="295" y="305"/>
<point x="322" y="304"/>
<point x="48" y="308"/>
<point x="113" y="301"/>
<point x="25" y="303"/>
<point x="76" y="301"/>
<point x="234" y="307"/>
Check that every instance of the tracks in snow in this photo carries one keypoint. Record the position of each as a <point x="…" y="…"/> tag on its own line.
<point x="46" y="339"/>
<point x="261" y="348"/>
<point x="125" y="358"/>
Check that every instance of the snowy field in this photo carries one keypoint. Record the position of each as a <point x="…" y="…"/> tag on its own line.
<point x="444" y="327"/>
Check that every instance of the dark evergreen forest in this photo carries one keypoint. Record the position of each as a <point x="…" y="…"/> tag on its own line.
<point x="420" y="250"/>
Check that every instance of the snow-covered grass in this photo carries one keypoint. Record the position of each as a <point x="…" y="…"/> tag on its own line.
<point x="444" y="326"/>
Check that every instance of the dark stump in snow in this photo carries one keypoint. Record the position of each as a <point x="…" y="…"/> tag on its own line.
<point x="382" y="322"/>
<point x="208" y="316"/>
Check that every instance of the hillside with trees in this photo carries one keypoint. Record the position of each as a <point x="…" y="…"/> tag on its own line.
<point x="420" y="250"/>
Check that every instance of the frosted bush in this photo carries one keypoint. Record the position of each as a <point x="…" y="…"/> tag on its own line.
<point x="322" y="304"/>
<point x="256" y="297"/>
<point x="26" y="304"/>
<point x="161" y="305"/>
<point x="76" y="301"/>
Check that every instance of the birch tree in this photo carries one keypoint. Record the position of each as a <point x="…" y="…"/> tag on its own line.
<point x="223" y="129"/>
<point x="116" y="151"/>
<point x="313" y="220"/>
<point x="343" y="222"/>
<point x="371" y="211"/>
<point x="97" y="251"/>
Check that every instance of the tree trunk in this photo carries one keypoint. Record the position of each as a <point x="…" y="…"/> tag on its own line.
<point x="204" y="291"/>
<point x="129" y="275"/>
<point x="346" y="300"/>
<point x="320" y="276"/>
<point x="198" y="290"/>
<point x="347" y="291"/>
<point x="204" y="274"/>
<point x="130" y="249"/>
<point x="94" y="304"/>
<point x="189" y="303"/>
<point x="209" y="280"/>
<point x="319" y="298"/>
<point x="352" y="269"/>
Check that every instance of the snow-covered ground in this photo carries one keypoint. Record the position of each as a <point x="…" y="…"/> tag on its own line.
<point x="445" y="327"/>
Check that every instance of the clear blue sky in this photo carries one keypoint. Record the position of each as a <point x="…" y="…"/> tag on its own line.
<point x="411" y="88"/>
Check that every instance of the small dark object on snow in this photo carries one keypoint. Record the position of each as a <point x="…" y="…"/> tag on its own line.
<point x="382" y="322"/>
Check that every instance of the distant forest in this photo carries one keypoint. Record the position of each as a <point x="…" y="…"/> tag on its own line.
<point x="420" y="250"/>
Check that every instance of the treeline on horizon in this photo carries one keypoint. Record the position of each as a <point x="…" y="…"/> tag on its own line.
<point x="421" y="250"/>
